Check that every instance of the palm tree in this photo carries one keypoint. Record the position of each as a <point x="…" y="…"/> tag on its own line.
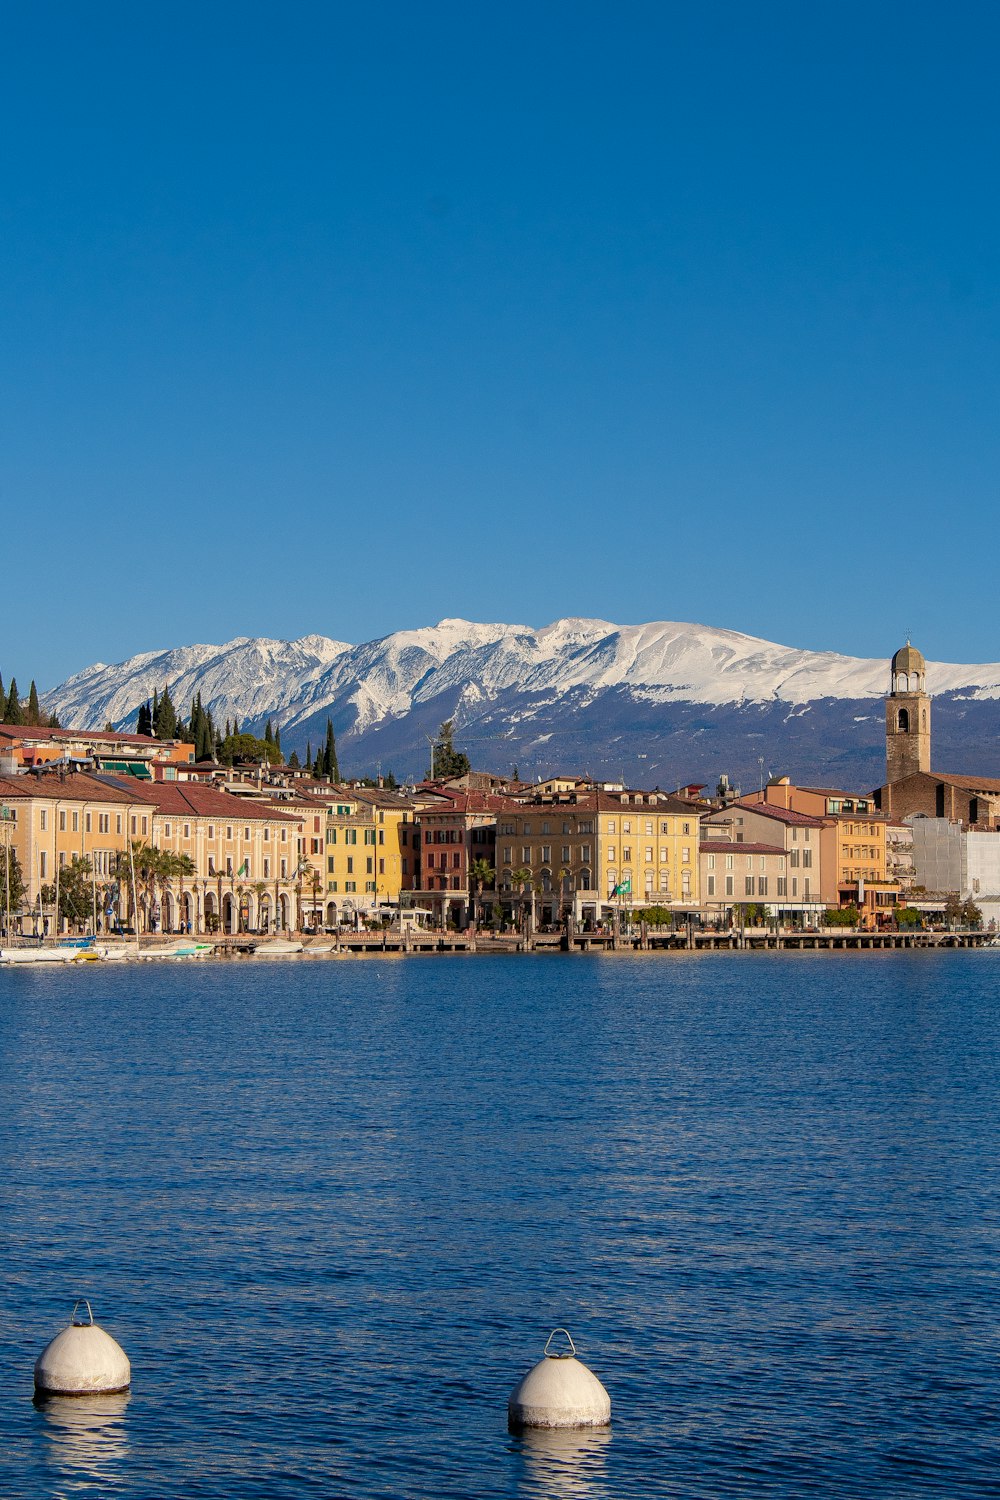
<point x="521" y="877"/>
<point x="482" y="873"/>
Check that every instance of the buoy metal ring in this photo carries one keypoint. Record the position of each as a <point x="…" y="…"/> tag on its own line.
<point x="571" y="1354"/>
<point x="79" y="1322"/>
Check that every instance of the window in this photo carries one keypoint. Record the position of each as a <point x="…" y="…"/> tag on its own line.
<point x="807" y="859"/>
<point x="406" y="866"/>
<point x="665" y="882"/>
<point x="229" y="864"/>
<point x="762" y="885"/>
<point x="42" y="822"/>
<point x="748" y="885"/>
<point x="729" y="861"/>
<point x="118" y="824"/>
<point x="685" y="828"/>
<point x="686" y="855"/>
<point x="749" y="861"/>
<point x="782" y="886"/>
<point x="566" y="828"/>
<point x="649" y="854"/>
<point x="145" y="826"/>
<point x="284" y="869"/>
<point x="711" y="885"/>
<point x="508" y="855"/>
<point x="586" y="826"/>
<point x="350" y="864"/>
<point x="546" y="828"/>
<point x="793" y="858"/>
<point x="627" y="854"/>
<point x="612" y="856"/>
<point x="330" y="864"/>
<point x="267" y="868"/>
<point x="166" y="828"/>
<point x="626" y="825"/>
<point x="585" y="853"/>
<point x="546" y="853"/>
<point x="649" y="828"/>
<point x="229" y="833"/>
<point x="612" y="828"/>
<point x="369" y="866"/>
<point x="381" y="835"/>
<point x="62" y="859"/>
<point x="649" y="882"/>
<point x="267" y="835"/>
<point x="42" y="861"/>
<point x="62" y="822"/>
<point x="664" y="854"/>
<point x="381" y="866"/>
<point x="76" y="822"/>
<point x="211" y="864"/>
<point x="664" y="826"/>
<point x="525" y="827"/>
<point x="565" y="854"/>
<point x="729" y="885"/>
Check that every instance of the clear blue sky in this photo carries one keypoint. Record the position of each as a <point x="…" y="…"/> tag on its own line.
<point x="346" y="318"/>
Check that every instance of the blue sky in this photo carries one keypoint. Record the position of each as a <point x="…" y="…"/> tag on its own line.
<point x="346" y="319"/>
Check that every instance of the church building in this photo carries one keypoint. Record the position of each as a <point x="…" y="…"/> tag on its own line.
<point x="911" y="786"/>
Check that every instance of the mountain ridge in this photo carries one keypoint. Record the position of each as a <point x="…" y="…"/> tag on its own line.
<point x="519" y="687"/>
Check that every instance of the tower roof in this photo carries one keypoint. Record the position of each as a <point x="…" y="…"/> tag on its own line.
<point x="908" y="659"/>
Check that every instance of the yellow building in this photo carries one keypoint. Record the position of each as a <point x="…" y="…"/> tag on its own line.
<point x="601" y="850"/>
<point x="51" y="817"/>
<point x="393" y="818"/>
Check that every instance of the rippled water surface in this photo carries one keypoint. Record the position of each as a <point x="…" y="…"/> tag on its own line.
<point x="333" y="1209"/>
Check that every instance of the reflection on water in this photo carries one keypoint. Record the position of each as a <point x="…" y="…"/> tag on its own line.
<point x="87" y="1438"/>
<point x="559" y="1461"/>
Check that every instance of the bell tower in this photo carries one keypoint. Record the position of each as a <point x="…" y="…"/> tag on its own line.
<point x="907" y="717"/>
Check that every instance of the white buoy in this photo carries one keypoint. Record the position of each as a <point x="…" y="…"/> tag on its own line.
<point x="559" y="1392"/>
<point x="83" y="1360"/>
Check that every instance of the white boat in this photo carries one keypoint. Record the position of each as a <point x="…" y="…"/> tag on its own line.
<point x="40" y="955"/>
<point x="111" y="952"/>
<point x="278" y="948"/>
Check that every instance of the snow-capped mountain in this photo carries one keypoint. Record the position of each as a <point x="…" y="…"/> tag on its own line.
<point x="661" y="702"/>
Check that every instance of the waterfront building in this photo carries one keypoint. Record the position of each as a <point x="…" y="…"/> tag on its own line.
<point x="597" y="852"/>
<point x="853" y="845"/>
<point x="244" y="855"/>
<point x="775" y="833"/>
<point x="950" y="859"/>
<point x="394" y="820"/>
<point x="456" y="835"/>
<point x="736" y="873"/>
<point x="49" y="817"/>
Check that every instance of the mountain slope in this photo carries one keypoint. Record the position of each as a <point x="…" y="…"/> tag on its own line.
<point x="684" y="701"/>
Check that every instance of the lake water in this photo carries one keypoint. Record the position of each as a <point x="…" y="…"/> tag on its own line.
<point x="333" y="1209"/>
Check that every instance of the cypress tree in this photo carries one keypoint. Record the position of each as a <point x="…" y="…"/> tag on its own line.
<point x="277" y="738"/>
<point x="268" y="734"/>
<point x="34" y="714"/>
<point x="144" y="720"/>
<point x="165" y="717"/>
<point x="330" y="753"/>
<point x="309" y="755"/>
<point x="293" y="761"/>
<point x="12" y="711"/>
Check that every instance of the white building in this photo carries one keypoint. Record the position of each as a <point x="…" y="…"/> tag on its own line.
<point x="948" y="857"/>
